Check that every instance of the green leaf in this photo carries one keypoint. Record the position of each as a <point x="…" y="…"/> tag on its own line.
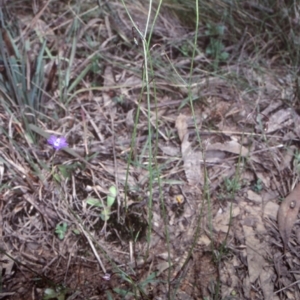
<point x="49" y="294"/>
<point x="109" y="295"/>
<point x="64" y="171"/>
<point x="105" y="214"/>
<point x="76" y="231"/>
<point x="79" y="78"/>
<point x="111" y="196"/>
<point x="149" y="279"/>
<point x="208" y="50"/>
<point x="57" y="177"/>
<point x="52" y="294"/>
<point x="224" y="55"/>
<point x="94" y="202"/>
<point x="110" y="200"/>
<point x="113" y="191"/>
<point x="61" y="230"/>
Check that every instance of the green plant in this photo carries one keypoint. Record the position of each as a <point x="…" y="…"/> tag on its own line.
<point x="258" y="186"/>
<point x="137" y="289"/>
<point x="62" y="172"/>
<point x="106" y="208"/>
<point x="59" y="293"/>
<point x="232" y="185"/>
<point x="216" y="48"/>
<point x="22" y="79"/>
<point x="61" y="230"/>
<point x="185" y="49"/>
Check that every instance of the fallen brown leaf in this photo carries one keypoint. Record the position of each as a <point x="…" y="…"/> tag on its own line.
<point x="191" y="160"/>
<point x="287" y="214"/>
<point x="231" y="146"/>
<point x="181" y="126"/>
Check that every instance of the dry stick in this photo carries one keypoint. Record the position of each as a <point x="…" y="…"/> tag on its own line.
<point x="93" y="248"/>
<point x="131" y="251"/>
<point x="286" y="287"/>
<point x="112" y="115"/>
<point x="84" y="131"/>
<point x="100" y="136"/>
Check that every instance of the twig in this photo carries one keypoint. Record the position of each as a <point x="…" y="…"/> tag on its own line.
<point x="93" y="248"/>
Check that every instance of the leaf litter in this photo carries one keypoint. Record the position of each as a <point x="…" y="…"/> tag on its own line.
<point x="238" y="248"/>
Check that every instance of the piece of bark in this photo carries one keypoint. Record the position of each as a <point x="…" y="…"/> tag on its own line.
<point x="287" y="214"/>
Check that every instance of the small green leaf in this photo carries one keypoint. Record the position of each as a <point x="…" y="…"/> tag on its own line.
<point x="149" y="279"/>
<point x="29" y="138"/>
<point x="109" y="295"/>
<point x="208" y="51"/>
<point x="112" y="196"/>
<point x="105" y="214"/>
<point x="110" y="200"/>
<point x="61" y="230"/>
<point x="57" y="177"/>
<point x="52" y="294"/>
<point x="94" y="202"/>
<point x="49" y="294"/>
<point x="76" y="231"/>
<point x="64" y="171"/>
<point x="113" y="191"/>
<point x="224" y="55"/>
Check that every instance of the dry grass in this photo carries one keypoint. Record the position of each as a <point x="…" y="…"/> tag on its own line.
<point x="79" y="70"/>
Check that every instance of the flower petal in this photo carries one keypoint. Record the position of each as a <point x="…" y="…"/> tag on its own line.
<point x="57" y="142"/>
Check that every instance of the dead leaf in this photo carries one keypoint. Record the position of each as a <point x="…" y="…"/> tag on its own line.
<point x="228" y="274"/>
<point x="168" y="150"/>
<point x="287" y="158"/>
<point x="130" y="119"/>
<point x="51" y="76"/>
<point x="192" y="163"/>
<point x="231" y="146"/>
<point x="161" y="267"/>
<point x="222" y="219"/>
<point x="287" y="214"/>
<point x="267" y="284"/>
<point x="271" y="210"/>
<point x="256" y="198"/>
<point x="8" y="43"/>
<point x="109" y="79"/>
<point x="279" y="119"/>
<point x="181" y="126"/>
<point x="191" y="160"/>
<point x="256" y="251"/>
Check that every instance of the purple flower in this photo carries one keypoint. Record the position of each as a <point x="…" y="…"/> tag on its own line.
<point x="57" y="142"/>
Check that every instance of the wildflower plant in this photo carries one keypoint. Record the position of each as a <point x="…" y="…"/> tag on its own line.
<point x="57" y="142"/>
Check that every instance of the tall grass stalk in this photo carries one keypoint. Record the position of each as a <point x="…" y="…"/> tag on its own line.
<point x="148" y="73"/>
